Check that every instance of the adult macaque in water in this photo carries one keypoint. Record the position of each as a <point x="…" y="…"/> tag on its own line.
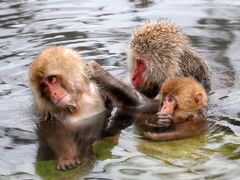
<point x="63" y="96"/>
<point x="159" y="51"/>
<point x="182" y="102"/>
<point x="180" y="115"/>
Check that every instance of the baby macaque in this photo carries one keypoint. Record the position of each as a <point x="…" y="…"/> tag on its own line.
<point x="182" y="102"/>
<point x="158" y="50"/>
<point x="64" y="97"/>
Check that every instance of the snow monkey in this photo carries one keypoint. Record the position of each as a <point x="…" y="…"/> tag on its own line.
<point x="179" y="110"/>
<point x="182" y="101"/>
<point x="158" y="50"/>
<point x="63" y="94"/>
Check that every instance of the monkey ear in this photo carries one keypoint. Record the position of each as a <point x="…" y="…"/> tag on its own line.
<point x="199" y="100"/>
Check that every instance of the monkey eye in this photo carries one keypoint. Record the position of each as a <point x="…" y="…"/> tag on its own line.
<point x="171" y="98"/>
<point x="52" y="79"/>
<point x="43" y="87"/>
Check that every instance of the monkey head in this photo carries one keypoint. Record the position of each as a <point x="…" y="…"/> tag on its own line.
<point x="182" y="95"/>
<point x="154" y="51"/>
<point x="56" y="77"/>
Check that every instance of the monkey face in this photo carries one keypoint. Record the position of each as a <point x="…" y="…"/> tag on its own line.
<point x="51" y="88"/>
<point x="169" y="105"/>
<point x="137" y="74"/>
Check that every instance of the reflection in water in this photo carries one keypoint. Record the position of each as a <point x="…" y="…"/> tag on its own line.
<point x="101" y="31"/>
<point x="142" y="3"/>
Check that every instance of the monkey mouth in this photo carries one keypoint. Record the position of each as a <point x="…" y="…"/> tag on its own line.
<point x="62" y="101"/>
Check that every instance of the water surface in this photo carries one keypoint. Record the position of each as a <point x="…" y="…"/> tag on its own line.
<point x="101" y="30"/>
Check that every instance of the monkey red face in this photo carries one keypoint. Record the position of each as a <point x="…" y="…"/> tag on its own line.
<point x="168" y="105"/>
<point x="51" y="88"/>
<point x="137" y="74"/>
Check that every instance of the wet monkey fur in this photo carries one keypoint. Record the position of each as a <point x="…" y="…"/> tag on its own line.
<point x="158" y="50"/>
<point x="63" y="94"/>
<point x="179" y="110"/>
<point x="122" y="95"/>
<point x="182" y="103"/>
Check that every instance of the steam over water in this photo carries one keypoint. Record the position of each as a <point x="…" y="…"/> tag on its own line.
<point x="101" y="30"/>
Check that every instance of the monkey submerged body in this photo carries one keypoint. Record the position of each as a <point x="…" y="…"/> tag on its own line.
<point x="179" y="112"/>
<point x="70" y="141"/>
<point x="63" y="94"/>
<point x="159" y="51"/>
<point x="192" y="126"/>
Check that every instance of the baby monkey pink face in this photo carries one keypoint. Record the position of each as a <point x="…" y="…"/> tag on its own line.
<point x="169" y="104"/>
<point x="51" y="87"/>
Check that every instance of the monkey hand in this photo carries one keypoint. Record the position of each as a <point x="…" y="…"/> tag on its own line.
<point x="164" y="119"/>
<point x="161" y="123"/>
<point x="97" y="73"/>
<point x="65" y="163"/>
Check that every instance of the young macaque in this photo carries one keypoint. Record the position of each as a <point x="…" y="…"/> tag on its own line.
<point x="64" y="97"/>
<point x="158" y="50"/>
<point x="182" y="102"/>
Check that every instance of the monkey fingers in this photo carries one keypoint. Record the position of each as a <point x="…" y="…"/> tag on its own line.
<point x="151" y="124"/>
<point x="164" y="122"/>
<point x="164" y="119"/>
<point x="158" y="125"/>
<point x="164" y="116"/>
<point x="68" y="164"/>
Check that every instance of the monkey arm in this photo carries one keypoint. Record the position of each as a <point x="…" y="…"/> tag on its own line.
<point x="120" y="93"/>
<point x="181" y="130"/>
<point x="119" y="121"/>
<point x="115" y="89"/>
<point x="61" y="141"/>
<point x="167" y="136"/>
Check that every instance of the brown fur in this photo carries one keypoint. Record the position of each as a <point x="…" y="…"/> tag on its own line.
<point x="185" y="91"/>
<point x="85" y="100"/>
<point x="122" y="95"/>
<point x="188" y="118"/>
<point x="167" y="53"/>
<point x="190" y="128"/>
